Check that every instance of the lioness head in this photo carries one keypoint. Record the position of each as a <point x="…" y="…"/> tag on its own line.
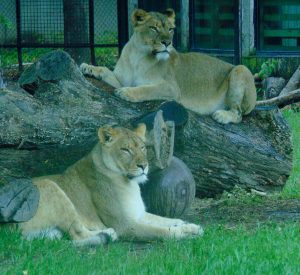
<point x="155" y="31"/>
<point x="124" y="151"/>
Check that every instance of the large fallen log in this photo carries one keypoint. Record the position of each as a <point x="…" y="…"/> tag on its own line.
<point x="51" y="122"/>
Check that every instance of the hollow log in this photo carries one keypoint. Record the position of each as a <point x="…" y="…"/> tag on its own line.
<point x="51" y="122"/>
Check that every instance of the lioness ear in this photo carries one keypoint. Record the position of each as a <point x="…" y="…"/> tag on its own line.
<point x="138" y="17"/>
<point x="141" y="131"/>
<point x="171" y="14"/>
<point x="107" y="134"/>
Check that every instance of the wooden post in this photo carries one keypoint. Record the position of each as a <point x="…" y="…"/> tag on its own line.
<point x="247" y="32"/>
<point x="184" y="24"/>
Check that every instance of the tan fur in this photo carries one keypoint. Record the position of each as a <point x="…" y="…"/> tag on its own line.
<point x="99" y="196"/>
<point x="150" y="68"/>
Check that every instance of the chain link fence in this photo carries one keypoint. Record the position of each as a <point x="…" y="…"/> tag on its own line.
<point x="87" y="29"/>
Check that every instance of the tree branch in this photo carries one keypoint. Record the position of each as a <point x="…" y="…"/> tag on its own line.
<point x="292" y="84"/>
<point x="282" y="100"/>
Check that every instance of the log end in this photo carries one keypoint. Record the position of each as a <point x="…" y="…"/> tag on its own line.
<point x="170" y="191"/>
<point x="18" y="201"/>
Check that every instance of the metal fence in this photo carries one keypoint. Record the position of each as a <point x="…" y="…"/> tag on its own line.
<point x="91" y="31"/>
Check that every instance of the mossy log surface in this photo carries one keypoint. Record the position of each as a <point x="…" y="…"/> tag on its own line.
<point x="51" y="121"/>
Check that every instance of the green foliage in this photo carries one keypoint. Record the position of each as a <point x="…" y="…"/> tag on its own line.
<point x="107" y="37"/>
<point x="9" y="57"/>
<point x="106" y="57"/>
<point x="5" y="22"/>
<point x="292" y="187"/>
<point x="268" y="68"/>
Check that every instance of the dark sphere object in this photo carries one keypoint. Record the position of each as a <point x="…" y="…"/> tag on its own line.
<point x="169" y="192"/>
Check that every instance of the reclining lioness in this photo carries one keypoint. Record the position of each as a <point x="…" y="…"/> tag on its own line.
<point x="98" y="198"/>
<point x="150" y="68"/>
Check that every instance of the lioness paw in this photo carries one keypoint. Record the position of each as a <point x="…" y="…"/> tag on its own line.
<point x="186" y="230"/>
<point x="85" y="69"/>
<point x="99" y="237"/>
<point x="91" y="70"/>
<point x="225" y="117"/>
<point x="126" y="94"/>
<point x="111" y="234"/>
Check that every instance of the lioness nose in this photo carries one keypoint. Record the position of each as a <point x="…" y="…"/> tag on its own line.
<point x="142" y="166"/>
<point x="166" y="43"/>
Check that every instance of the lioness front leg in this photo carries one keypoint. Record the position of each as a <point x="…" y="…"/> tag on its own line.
<point x="101" y="73"/>
<point x="146" y="230"/>
<point x="163" y="91"/>
<point x="154" y="219"/>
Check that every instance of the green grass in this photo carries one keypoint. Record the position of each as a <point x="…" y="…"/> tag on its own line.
<point x="9" y="57"/>
<point x="104" y="56"/>
<point x="269" y="249"/>
<point x="292" y="187"/>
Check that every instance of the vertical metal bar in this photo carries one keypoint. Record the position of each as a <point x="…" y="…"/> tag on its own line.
<point x="237" y="32"/>
<point x="19" y="39"/>
<point x="122" y="24"/>
<point x="92" y="31"/>
<point x="191" y="24"/>
<point x="257" y="25"/>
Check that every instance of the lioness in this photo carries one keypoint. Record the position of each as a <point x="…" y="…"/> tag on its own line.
<point x="98" y="198"/>
<point x="150" y="68"/>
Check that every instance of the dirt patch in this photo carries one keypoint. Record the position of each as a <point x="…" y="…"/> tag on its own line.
<point x="250" y="213"/>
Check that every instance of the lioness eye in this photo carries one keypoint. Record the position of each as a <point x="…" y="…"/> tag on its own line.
<point x="154" y="29"/>
<point x="126" y="150"/>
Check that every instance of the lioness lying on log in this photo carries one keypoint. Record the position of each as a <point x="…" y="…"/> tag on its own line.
<point x="151" y="69"/>
<point x="98" y="198"/>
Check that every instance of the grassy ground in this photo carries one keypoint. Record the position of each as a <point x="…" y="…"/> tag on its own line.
<point x="268" y="249"/>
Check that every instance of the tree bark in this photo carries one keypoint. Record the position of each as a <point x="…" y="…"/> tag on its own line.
<point x="281" y="100"/>
<point x="52" y="122"/>
<point x="273" y="86"/>
<point x="293" y="83"/>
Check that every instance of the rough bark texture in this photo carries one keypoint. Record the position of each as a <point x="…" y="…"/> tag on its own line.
<point x="273" y="86"/>
<point x="257" y="153"/>
<point x="293" y="83"/>
<point x="47" y="130"/>
<point x="281" y="100"/>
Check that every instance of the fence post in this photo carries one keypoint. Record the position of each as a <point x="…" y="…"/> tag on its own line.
<point x="184" y="24"/>
<point x="122" y="24"/>
<point x="237" y="32"/>
<point x="92" y="31"/>
<point x="248" y="27"/>
<point x="19" y="40"/>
